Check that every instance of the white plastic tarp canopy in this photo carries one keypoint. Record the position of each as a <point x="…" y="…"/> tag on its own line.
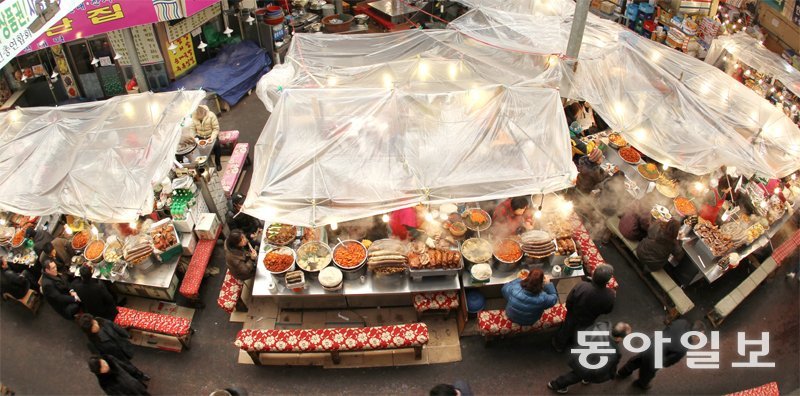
<point x="742" y="47"/>
<point x="94" y="160"/>
<point x="412" y="60"/>
<point x="331" y="155"/>
<point x="677" y="109"/>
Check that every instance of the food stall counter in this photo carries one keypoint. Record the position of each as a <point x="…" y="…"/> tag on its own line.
<point x="503" y="277"/>
<point x="150" y="279"/>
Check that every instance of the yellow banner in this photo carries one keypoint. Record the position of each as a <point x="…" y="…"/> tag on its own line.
<point x="182" y="58"/>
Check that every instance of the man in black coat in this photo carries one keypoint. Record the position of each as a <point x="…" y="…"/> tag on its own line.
<point x="118" y="377"/>
<point x="106" y="337"/>
<point x="57" y="293"/>
<point x="40" y="239"/>
<point x="95" y="297"/>
<point x="13" y="283"/>
<point x="242" y="221"/>
<point x="672" y="352"/>
<point x="585" y="303"/>
<point x="581" y="372"/>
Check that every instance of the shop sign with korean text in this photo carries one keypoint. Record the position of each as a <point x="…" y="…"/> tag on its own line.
<point x="182" y="59"/>
<point x="94" y="17"/>
<point x="21" y="21"/>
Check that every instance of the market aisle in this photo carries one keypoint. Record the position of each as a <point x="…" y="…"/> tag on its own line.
<point x="46" y="354"/>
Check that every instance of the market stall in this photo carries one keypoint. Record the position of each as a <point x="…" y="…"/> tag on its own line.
<point x="98" y="163"/>
<point x="760" y="69"/>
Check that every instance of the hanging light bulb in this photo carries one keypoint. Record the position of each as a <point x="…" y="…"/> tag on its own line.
<point x="725" y="58"/>
<point x="172" y="47"/>
<point x="763" y="204"/>
<point x="777" y="190"/>
<point x="538" y="213"/>
<point x="132" y="224"/>
<point x="665" y="166"/>
<point x="385" y="218"/>
<point x="24" y="77"/>
<point x="227" y="31"/>
<point x="334" y="226"/>
<point x="772" y="89"/>
<point x="747" y="72"/>
<point x="202" y="46"/>
<point x="250" y="20"/>
<point x="725" y="216"/>
<point x="68" y="230"/>
<point x="760" y="81"/>
<point x="54" y="75"/>
<point x="2" y="222"/>
<point x="794" y="176"/>
<point x="118" y="56"/>
<point x="567" y="206"/>
<point x="739" y="20"/>
<point x="95" y="61"/>
<point x="428" y="216"/>
<point x="94" y="230"/>
<point x="698" y="186"/>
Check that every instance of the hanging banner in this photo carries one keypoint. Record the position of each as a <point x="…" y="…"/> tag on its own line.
<point x="182" y="59"/>
<point x="180" y="28"/>
<point x="194" y="6"/>
<point x="21" y="21"/>
<point x="144" y="39"/>
<point x="95" y="17"/>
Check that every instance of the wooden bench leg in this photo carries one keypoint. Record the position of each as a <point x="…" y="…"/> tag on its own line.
<point x="336" y="357"/>
<point x="240" y="305"/>
<point x="417" y="353"/>
<point x="256" y="358"/>
<point x="186" y="340"/>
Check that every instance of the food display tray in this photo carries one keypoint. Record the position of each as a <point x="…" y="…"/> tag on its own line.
<point x="704" y="248"/>
<point x="419" y="274"/>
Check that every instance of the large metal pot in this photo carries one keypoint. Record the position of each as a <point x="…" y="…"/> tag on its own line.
<point x="502" y="265"/>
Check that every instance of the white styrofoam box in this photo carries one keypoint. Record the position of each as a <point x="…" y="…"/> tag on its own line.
<point x="207" y="226"/>
<point x="189" y="242"/>
<point x="185" y="225"/>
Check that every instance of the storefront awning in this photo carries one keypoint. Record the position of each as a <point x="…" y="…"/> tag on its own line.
<point x="95" y="160"/>
<point x="331" y="155"/>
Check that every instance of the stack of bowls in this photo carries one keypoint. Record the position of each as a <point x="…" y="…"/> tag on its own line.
<point x="274" y="15"/>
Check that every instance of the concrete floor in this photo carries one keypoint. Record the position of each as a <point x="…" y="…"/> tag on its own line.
<point x="46" y="354"/>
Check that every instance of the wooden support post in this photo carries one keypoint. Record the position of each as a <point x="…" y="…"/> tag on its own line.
<point x="417" y="352"/>
<point x="336" y="357"/>
<point x="256" y="356"/>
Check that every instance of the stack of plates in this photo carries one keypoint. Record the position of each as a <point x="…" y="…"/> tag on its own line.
<point x="538" y="244"/>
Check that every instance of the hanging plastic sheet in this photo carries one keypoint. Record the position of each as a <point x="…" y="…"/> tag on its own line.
<point x="94" y="160"/>
<point x="751" y="52"/>
<point x="675" y="108"/>
<point x="331" y="155"/>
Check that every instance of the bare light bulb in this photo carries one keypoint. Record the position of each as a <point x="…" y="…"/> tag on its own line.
<point x="537" y="214"/>
<point x="385" y="218"/>
<point x="698" y="186"/>
<point x="763" y="204"/>
<point x="68" y="230"/>
<point x="777" y="190"/>
<point x="132" y="224"/>
<point x="428" y="216"/>
<point x="94" y="230"/>
<point x="334" y="226"/>
<point x="665" y="166"/>
<point x="725" y="216"/>
<point x="794" y="176"/>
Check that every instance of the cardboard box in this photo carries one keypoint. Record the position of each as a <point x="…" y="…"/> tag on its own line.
<point x="207" y="226"/>
<point x="607" y="7"/>
<point x="185" y="225"/>
<point x="188" y="242"/>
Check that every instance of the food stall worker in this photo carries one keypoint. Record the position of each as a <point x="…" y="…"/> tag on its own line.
<point x="40" y="238"/>
<point x="250" y="226"/>
<point x="240" y="257"/>
<point x="206" y="126"/>
<point x="661" y="241"/>
<point x="589" y="175"/>
<point x="402" y="221"/>
<point x="512" y="216"/>
<point x="528" y="298"/>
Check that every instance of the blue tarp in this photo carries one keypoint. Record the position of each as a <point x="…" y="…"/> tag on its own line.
<point x="235" y="70"/>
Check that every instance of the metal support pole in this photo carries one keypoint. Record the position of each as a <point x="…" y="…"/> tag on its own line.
<point x="337" y="4"/>
<point x="130" y="48"/>
<point x="578" y="26"/>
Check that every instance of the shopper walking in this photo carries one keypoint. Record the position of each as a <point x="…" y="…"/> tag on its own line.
<point x="585" y="303"/>
<point x="57" y="293"/>
<point x="118" y="377"/>
<point x="95" y="297"/>
<point x="106" y="337"/>
<point x="672" y="352"/>
<point x="584" y="371"/>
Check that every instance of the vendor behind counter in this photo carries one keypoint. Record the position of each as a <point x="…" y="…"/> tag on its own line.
<point x="512" y="216"/>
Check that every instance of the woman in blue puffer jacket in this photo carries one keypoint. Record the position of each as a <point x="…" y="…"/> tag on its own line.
<point x="528" y="298"/>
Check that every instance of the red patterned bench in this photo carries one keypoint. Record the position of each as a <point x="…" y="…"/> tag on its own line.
<point x="230" y="175"/>
<point x="588" y="249"/>
<point x="230" y="295"/>
<point x="227" y="141"/>
<point x="150" y="322"/>
<point x="190" y="286"/>
<point x="770" y="389"/>
<point x="435" y="301"/>
<point x="495" y="323"/>
<point x="333" y="340"/>
<point x="787" y="248"/>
